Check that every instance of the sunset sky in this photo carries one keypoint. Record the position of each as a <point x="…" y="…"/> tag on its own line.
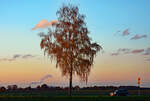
<point x="121" y="27"/>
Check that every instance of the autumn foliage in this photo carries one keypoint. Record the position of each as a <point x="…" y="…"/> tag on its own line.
<point x="67" y="42"/>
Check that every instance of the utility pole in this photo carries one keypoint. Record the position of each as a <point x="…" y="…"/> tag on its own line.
<point x="139" y="82"/>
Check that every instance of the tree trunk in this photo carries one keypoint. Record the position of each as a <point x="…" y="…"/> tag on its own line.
<point x="70" y="84"/>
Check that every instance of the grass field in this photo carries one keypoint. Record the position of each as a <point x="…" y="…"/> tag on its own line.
<point x="60" y="95"/>
<point x="65" y="93"/>
<point x="74" y="98"/>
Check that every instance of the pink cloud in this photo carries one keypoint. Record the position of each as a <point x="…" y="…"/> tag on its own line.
<point x="44" y="24"/>
<point x="137" y="51"/>
<point x="125" y="32"/>
<point x="138" y="37"/>
<point x="129" y="51"/>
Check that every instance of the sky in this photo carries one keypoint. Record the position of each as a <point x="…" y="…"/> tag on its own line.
<point x="122" y="28"/>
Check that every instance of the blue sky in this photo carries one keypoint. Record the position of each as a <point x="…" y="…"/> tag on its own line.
<point x="106" y="20"/>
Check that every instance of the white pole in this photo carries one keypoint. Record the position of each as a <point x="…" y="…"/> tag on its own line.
<point x="139" y="90"/>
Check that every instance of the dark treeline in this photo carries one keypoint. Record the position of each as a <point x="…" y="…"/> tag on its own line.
<point x="46" y="87"/>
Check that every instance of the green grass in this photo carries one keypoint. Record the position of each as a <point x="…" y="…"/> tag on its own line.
<point x="57" y="93"/>
<point x="60" y="95"/>
<point x="74" y="98"/>
<point x="65" y="93"/>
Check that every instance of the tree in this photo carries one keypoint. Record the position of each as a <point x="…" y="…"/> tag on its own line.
<point x="68" y="43"/>
<point x="2" y="89"/>
<point x="44" y="86"/>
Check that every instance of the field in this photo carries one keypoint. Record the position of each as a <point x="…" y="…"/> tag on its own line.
<point x="74" y="98"/>
<point x="83" y="95"/>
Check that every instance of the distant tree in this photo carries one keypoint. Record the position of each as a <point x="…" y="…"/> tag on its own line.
<point x="28" y="88"/>
<point x="68" y="43"/>
<point x="44" y="86"/>
<point x="38" y="87"/>
<point x="20" y="89"/>
<point x="77" y="88"/>
<point x="14" y="87"/>
<point x="2" y="89"/>
<point x="9" y="87"/>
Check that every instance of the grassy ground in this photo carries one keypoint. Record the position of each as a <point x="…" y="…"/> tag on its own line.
<point x="65" y="93"/>
<point x="74" y="98"/>
<point x="60" y="95"/>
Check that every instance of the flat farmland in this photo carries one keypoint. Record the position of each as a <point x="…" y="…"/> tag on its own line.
<point x="74" y="98"/>
<point x="80" y="95"/>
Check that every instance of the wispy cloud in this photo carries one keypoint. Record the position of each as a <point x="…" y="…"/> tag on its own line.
<point x="114" y="54"/>
<point x="125" y="32"/>
<point x="147" y="51"/>
<point x="136" y="51"/>
<point x="27" y="56"/>
<point x="44" y="24"/>
<point x="121" y="51"/>
<point x="16" y="56"/>
<point x="45" y="77"/>
<point x="137" y="36"/>
<point x="129" y="51"/>
<point x="124" y="50"/>
<point x="5" y="59"/>
<point x="117" y="32"/>
<point x="41" y="80"/>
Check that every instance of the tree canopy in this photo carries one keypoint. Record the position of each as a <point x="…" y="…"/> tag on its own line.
<point x="68" y="43"/>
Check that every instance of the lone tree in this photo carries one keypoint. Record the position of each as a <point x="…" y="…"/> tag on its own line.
<point x="68" y="43"/>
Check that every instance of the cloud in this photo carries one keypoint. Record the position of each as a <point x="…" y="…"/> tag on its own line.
<point x="136" y="51"/>
<point x="118" y="31"/>
<point x="124" y="50"/>
<point x="114" y="54"/>
<point x="27" y="56"/>
<point x="35" y="83"/>
<point x="121" y="51"/>
<point x="10" y="60"/>
<point x="16" y="56"/>
<point x="41" y="80"/>
<point x="137" y="36"/>
<point x="5" y="59"/>
<point x="129" y="51"/>
<point x="125" y="32"/>
<point x="45" y="77"/>
<point x="44" y="24"/>
<point x="147" y="51"/>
